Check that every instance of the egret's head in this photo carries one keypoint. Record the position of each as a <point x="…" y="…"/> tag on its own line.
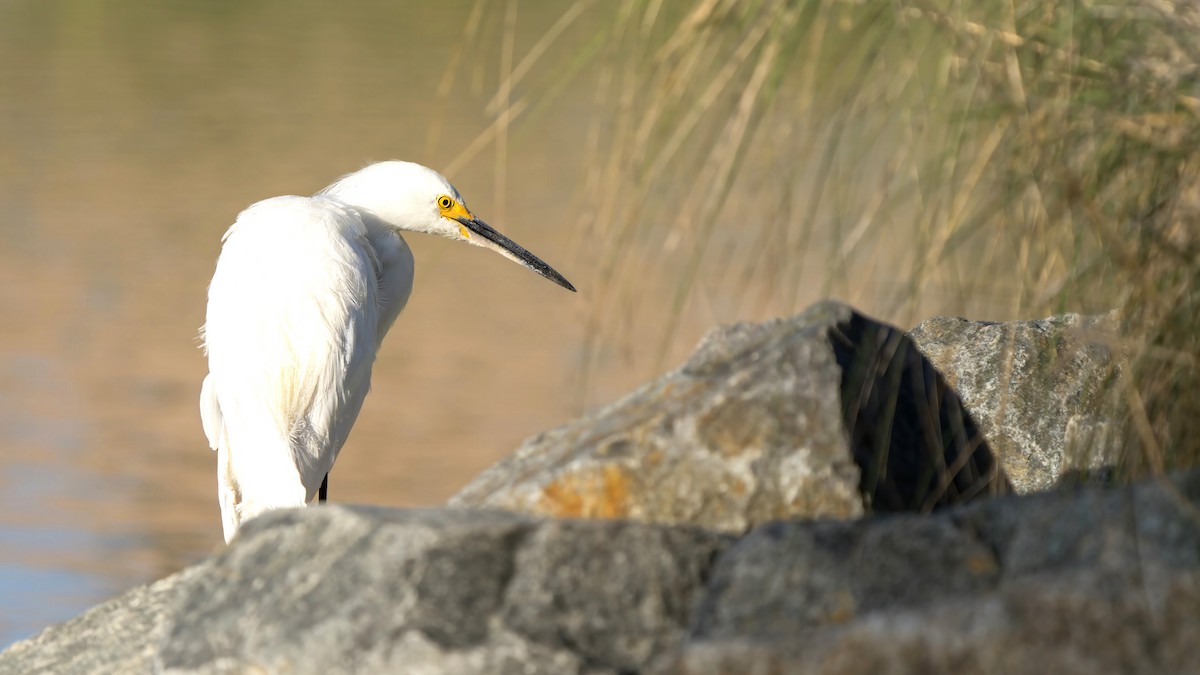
<point x="407" y="196"/>
<point x="415" y="198"/>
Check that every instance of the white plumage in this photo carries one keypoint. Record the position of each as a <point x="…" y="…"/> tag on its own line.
<point x="304" y="291"/>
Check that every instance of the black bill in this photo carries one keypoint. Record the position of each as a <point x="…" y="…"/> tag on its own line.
<point x="513" y="251"/>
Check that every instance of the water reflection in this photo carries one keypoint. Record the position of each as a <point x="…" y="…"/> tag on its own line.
<point x="39" y="596"/>
<point x="134" y="132"/>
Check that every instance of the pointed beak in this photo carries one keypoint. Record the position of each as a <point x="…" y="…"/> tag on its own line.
<point x="511" y="250"/>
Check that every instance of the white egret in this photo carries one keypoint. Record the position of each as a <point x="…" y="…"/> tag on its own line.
<point x="304" y="291"/>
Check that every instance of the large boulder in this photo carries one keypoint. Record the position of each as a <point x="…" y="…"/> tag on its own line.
<point x="1072" y="581"/>
<point x="826" y="414"/>
<point x="1083" y="580"/>
<point x="340" y="590"/>
<point x="1042" y="391"/>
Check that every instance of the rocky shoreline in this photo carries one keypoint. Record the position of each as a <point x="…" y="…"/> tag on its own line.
<point x="816" y="494"/>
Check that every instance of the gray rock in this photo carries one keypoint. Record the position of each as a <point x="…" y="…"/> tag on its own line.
<point x="1074" y="581"/>
<point x="341" y="590"/>
<point x="1040" y="390"/>
<point x="1081" y="580"/>
<point x="809" y="416"/>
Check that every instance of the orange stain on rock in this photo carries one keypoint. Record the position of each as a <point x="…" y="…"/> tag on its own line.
<point x="982" y="564"/>
<point x="602" y="493"/>
<point x="844" y="608"/>
<point x="653" y="459"/>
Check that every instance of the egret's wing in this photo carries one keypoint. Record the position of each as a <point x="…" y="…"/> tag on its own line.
<point x="210" y="412"/>
<point x="290" y="334"/>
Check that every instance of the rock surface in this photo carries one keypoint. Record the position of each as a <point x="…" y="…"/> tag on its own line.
<point x="826" y="414"/>
<point x="1074" y="581"/>
<point x="332" y="590"/>
<point x="1040" y="390"/>
<point x="1086" y="580"/>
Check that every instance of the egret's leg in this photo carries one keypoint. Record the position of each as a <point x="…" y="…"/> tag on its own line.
<point x="323" y="493"/>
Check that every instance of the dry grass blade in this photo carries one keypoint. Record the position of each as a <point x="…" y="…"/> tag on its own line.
<point x="535" y="54"/>
<point x="501" y="123"/>
<point x="724" y="158"/>
<point x="450" y="74"/>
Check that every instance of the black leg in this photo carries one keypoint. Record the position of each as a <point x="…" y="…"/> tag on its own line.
<point x="323" y="493"/>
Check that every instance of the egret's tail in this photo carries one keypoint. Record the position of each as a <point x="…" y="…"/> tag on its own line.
<point x="228" y="494"/>
<point x="257" y="477"/>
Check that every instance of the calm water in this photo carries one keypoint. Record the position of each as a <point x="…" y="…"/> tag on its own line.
<point x="132" y="133"/>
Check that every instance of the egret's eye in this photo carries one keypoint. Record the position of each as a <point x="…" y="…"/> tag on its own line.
<point x="445" y="202"/>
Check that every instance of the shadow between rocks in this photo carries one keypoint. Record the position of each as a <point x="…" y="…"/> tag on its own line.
<point x="915" y="444"/>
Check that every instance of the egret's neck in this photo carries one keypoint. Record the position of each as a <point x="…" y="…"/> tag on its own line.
<point x="394" y="271"/>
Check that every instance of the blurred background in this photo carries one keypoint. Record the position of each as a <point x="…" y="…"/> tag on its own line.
<point x="684" y="164"/>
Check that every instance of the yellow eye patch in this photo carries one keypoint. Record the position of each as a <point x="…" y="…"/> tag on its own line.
<point x="454" y="210"/>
